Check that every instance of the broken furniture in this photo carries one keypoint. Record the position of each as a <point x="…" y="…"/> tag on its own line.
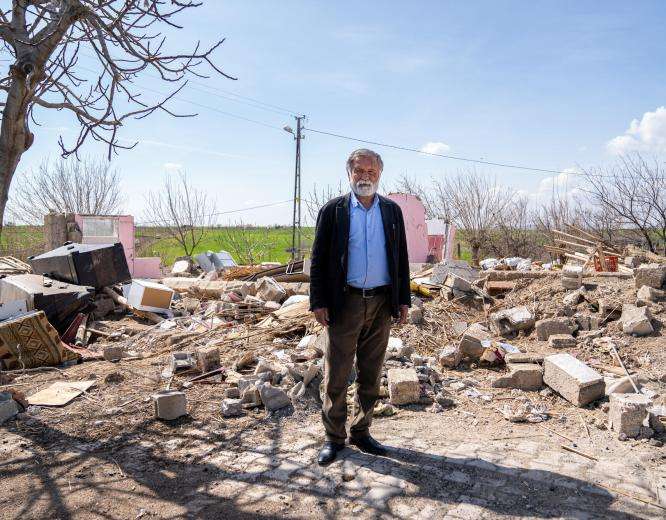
<point x="210" y="261"/>
<point x="145" y="295"/>
<point x="30" y="341"/>
<point x="94" y="265"/>
<point x="60" y="301"/>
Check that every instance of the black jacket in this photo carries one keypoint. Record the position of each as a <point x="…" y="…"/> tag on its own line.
<point x="328" y="271"/>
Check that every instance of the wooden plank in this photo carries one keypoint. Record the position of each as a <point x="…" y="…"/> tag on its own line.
<point x="60" y="393"/>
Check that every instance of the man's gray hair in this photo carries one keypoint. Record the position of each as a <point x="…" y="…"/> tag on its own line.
<point x="364" y="152"/>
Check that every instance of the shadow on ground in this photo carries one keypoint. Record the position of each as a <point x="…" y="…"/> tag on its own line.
<point x="59" y="468"/>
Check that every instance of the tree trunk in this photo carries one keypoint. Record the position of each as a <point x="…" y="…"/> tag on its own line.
<point x="15" y="137"/>
<point x="475" y="254"/>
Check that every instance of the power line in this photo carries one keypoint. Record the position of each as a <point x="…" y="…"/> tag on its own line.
<point x="454" y="157"/>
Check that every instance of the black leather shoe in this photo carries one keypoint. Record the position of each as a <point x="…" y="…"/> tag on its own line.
<point x="368" y="445"/>
<point x="328" y="452"/>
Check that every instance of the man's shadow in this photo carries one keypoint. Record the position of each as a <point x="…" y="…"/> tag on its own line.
<point x="191" y="484"/>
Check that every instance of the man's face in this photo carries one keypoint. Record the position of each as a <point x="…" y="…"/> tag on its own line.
<point x="364" y="177"/>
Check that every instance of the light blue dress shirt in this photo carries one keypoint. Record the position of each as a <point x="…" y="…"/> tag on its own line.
<point x="367" y="266"/>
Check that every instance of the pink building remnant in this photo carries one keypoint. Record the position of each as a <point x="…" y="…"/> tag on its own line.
<point x="429" y="241"/>
<point x="109" y="229"/>
<point x="413" y="213"/>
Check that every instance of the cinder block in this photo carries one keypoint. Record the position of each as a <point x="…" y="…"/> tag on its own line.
<point x="547" y="327"/>
<point x="208" y="359"/>
<point x="573" y="379"/>
<point x="562" y="341"/>
<point x="627" y="413"/>
<point x="404" y="386"/>
<point x="170" y="404"/>
<point x="525" y="376"/>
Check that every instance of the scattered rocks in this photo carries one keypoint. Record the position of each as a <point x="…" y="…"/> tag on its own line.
<point x="9" y="408"/>
<point x="652" y="275"/>
<point x="170" y="404"/>
<point x="231" y="407"/>
<point x="549" y="326"/>
<point x="113" y="353"/>
<point x="609" y="309"/>
<point x="561" y="341"/>
<point x="627" y="413"/>
<point x="450" y="356"/>
<point x="510" y="321"/>
<point x="524" y="376"/>
<point x="474" y="341"/>
<point x="273" y="398"/>
<point x="647" y="295"/>
<point x="572" y="379"/>
<point x="403" y="385"/>
<point x="636" y="321"/>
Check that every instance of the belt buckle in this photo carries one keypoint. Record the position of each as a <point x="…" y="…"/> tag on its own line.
<point x="363" y="294"/>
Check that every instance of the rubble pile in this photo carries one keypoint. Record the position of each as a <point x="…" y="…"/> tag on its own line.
<point x="523" y="344"/>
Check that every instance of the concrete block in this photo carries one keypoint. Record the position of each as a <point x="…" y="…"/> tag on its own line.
<point x="457" y="283"/>
<point x="636" y="321"/>
<point x="208" y="359"/>
<point x="547" y="327"/>
<point x="473" y="339"/>
<point x="609" y="309"/>
<point x="8" y="407"/>
<point x="251" y="396"/>
<point x="232" y="393"/>
<point x="561" y="341"/>
<point x="270" y="290"/>
<point x="627" y="413"/>
<point x="572" y="379"/>
<point x="523" y="357"/>
<point x="273" y="398"/>
<point x="231" y="408"/>
<point x="509" y="321"/>
<point x="647" y="294"/>
<point x="113" y="353"/>
<point x="404" y="386"/>
<point x="170" y="404"/>
<point x="450" y="356"/>
<point x="574" y="297"/>
<point x="652" y="275"/>
<point x="655" y="412"/>
<point x="524" y="376"/>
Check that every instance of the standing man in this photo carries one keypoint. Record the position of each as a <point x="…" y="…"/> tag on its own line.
<point x="359" y="279"/>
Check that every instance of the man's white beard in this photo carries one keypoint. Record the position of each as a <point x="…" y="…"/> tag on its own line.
<point x="364" y="188"/>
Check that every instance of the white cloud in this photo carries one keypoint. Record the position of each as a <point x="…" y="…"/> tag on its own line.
<point x="435" y="147"/>
<point x="564" y="185"/>
<point x="172" y="167"/>
<point x="646" y="135"/>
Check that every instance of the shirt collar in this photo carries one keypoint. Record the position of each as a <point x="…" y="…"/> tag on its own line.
<point x="356" y="203"/>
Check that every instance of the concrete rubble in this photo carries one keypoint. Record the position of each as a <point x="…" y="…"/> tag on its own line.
<point x="627" y="414"/>
<point x="572" y="379"/>
<point x="547" y="327"/>
<point x="636" y="321"/>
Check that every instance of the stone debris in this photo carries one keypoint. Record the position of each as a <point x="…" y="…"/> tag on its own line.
<point x="547" y="327"/>
<point x="652" y="275"/>
<point x="270" y="290"/>
<point x="404" y="386"/>
<point x="170" y="405"/>
<point x="509" y="321"/>
<point x="474" y="341"/>
<point x="525" y="411"/>
<point x="572" y="379"/>
<point x="523" y="357"/>
<point x="636" y="321"/>
<point x="231" y="407"/>
<point x="208" y="359"/>
<point x="609" y="309"/>
<point x="561" y="341"/>
<point x="450" y="356"/>
<point x="273" y="398"/>
<point x="647" y="295"/>
<point x="113" y="353"/>
<point x="397" y="349"/>
<point x="9" y="408"/>
<point x="627" y="414"/>
<point x="572" y="277"/>
<point x="523" y="376"/>
<point x="575" y="297"/>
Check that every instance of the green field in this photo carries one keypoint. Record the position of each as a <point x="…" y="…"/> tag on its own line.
<point x="270" y="244"/>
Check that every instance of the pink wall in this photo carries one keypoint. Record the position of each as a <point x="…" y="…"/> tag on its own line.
<point x="121" y="229"/>
<point x="413" y="212"/>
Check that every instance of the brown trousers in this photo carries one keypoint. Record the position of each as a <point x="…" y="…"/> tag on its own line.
<point x="361" y="328"/>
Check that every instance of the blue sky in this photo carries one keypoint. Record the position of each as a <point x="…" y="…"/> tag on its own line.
<point x="547" y="84"/>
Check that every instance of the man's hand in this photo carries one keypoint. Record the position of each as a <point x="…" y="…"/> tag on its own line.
<point x="404" y="310"/>
<point x="321" y="315"/>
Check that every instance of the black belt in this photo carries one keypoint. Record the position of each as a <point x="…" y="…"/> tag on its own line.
<point x="369" y="293"/>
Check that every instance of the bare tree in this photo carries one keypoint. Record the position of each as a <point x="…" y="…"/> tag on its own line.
<point x="183" y="211"/>
<point x="320" y="196"/>
<point x="89" y="186"/>
<point x="125" y="38"/>
<point x="248" y="245"/>
<point x="634" y="192"/>
<point x="475" y="204"/>
<point x="407" y="184"/>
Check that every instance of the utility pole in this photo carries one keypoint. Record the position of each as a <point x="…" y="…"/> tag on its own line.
<point x="296" y="243"/>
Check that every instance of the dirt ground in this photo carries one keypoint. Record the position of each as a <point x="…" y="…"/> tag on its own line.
<point x="106" y="456"/>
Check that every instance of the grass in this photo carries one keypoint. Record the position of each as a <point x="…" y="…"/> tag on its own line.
<point x="274" y="241"/>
